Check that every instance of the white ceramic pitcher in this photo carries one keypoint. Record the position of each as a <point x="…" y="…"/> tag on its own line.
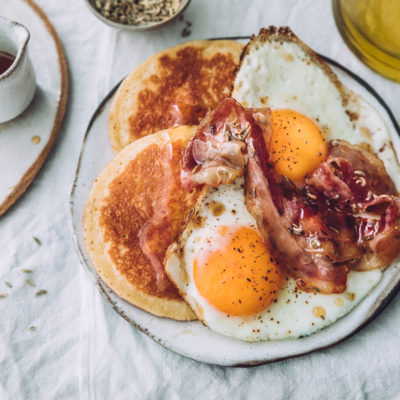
<point x="17" y="83"/>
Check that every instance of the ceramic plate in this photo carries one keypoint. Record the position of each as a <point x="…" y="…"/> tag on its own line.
<point x="26" y="141"/>
<point x="192" y="339"/>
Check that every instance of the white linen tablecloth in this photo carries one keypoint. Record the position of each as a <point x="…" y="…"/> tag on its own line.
<point x="81" y="349"/>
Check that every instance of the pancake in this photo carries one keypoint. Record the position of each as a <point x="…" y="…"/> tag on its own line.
<point x="176" y="86"/>
<point x="141" y="183"/>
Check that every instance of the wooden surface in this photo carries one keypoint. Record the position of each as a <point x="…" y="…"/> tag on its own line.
<point x="31" y="170"/>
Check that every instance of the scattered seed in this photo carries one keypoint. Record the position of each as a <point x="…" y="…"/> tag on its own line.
<point x="333" y="229"/>
<point x="287" y="181"/>
<point x="361" y="181"/>
<point x="27" y="271"/>
<point x="245" y="131"/>
<point x="30" y="283"/>
<point x="354" y="261"/>
<point x="2" y="295"/>
<point x="37" y="241"/>
<point x="311" y="196"/>
<point x="316" y="243"/>
<point x="35" y="139"/>
<point x="186" y="32"/>
<point x="8" y="284"/>
<point x="296" y="230"/>
<point x="41" y="292"/>
<point x="359" y="173"/>
<point x="32" y="328"/>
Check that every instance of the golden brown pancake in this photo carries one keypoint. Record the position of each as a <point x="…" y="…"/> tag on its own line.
<point x="176" y="86"/>
<point x="141" y="183"/>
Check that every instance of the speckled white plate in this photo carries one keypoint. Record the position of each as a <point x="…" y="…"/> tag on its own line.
<point x="192" y="339"/>
<point x="21" y="156"/>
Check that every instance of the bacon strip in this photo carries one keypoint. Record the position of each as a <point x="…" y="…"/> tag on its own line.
<point x="363" y="160"/>
<point x="379" y="234"/>
<point x="215" y="154"/>
<point x="356" y="181"/>
<point x="312" y="270"/>
<point x="149" y="233"/>
<point x="325" y="180"/>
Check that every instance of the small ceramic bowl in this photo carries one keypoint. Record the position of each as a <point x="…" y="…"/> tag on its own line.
<point x="17" y="83"/>
<point x="148" y="27"/>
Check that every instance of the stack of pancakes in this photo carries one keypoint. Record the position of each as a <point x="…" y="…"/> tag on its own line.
<point x="153" y="116"/>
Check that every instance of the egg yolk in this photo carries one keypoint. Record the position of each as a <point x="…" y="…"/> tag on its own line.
<point x="297" y="146"/>
<point x="240" y="277"/>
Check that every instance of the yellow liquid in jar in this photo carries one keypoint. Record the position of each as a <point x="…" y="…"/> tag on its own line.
<point x="371" y="28"/>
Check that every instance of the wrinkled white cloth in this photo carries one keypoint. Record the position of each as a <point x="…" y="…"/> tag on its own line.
<point x="81" y="349"/>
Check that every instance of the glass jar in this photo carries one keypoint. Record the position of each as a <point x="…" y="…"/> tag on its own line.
<point x="371" y="28"/>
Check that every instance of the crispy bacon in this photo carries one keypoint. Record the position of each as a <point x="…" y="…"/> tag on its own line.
<point x="363" y="160"/>
<point x="379" y="232"/>
<point x="297" y="237"/>
<point x="345" y="216"/>
<point x="215" y="155"/>
<point x="355" y="181"/>
<point x="325" y="180"/>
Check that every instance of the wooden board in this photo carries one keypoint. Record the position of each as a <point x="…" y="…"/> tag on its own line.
<point x="22" y="154"/>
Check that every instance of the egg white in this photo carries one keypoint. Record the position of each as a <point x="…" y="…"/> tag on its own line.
<point x="294" y="314"/>
<point x="280" y="74"/>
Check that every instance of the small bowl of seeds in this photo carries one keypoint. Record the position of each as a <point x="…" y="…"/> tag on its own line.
<point x="137" y="15"/>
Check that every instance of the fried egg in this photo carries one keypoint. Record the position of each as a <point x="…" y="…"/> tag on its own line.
<point x="310" y="107"/>
<point x="224" y="271"/>
<point x="281" y="72"/>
